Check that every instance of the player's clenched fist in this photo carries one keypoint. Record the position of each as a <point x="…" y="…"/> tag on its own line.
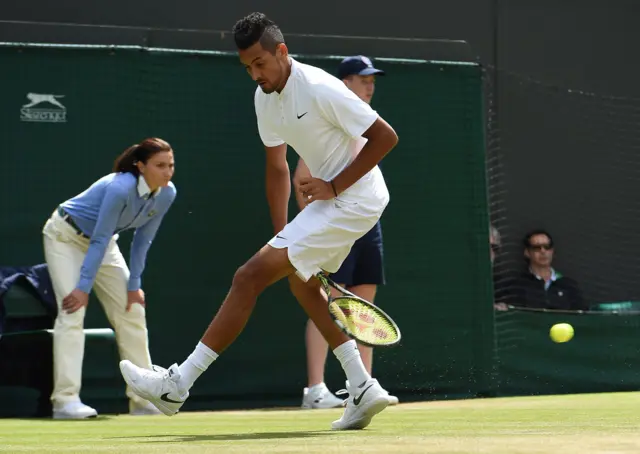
<point x="316" y="189"/>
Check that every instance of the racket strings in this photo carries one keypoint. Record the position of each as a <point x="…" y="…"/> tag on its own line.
<point x="364" y="321"/>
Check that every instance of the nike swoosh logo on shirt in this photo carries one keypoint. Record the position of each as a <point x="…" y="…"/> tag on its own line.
<point x="165" y="397"/>
<point x="356" y="400"/>
<point x="300" y="116"/>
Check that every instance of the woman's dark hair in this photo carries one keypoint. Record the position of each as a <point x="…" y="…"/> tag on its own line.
<point x="141" y="152"/>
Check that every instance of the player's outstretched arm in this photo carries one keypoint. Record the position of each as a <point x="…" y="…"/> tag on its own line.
<point x="381" y="140"/>
<point x="278" y="185"/>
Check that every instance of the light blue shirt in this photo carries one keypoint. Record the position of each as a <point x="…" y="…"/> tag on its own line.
<point x="547" y="284"/>
<point x="117" y="202"/>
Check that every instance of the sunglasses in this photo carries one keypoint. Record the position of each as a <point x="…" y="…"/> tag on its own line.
<point x="540" y="247"/>
<point x="495" y="247"/>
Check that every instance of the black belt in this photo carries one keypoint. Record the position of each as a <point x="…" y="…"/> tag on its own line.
<point x="67" y="218"/>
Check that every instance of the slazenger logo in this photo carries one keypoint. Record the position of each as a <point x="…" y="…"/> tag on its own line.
<point x="43" y="108"/>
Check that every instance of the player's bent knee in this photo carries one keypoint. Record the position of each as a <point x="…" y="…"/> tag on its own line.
<point x="250" y="278"/>
<point x="266" y="267"/>
<point x="300" y="288"/>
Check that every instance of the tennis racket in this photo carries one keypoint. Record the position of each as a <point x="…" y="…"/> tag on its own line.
<point x="358" y="318"/>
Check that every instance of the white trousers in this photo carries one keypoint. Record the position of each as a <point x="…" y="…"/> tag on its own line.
<point x="64" y="253"/>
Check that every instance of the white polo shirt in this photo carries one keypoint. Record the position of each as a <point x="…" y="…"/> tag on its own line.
<point x="322" y="120"/>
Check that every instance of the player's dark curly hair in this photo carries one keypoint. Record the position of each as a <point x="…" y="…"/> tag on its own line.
<point x="257" y="27"/>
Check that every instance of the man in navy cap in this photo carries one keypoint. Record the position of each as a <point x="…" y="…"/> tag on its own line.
<point x="363" y="269"/>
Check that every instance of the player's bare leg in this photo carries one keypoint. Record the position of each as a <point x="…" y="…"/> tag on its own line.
<point x="314" y="303"/>
<point x="265" y="268"/>
<point x="366" y="397"/>
<point x="168" y="389"/>
<point x="368" y="293"/>
<point x="317" y="349"/>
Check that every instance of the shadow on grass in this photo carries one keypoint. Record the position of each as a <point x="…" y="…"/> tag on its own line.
<point x="85" y="420"/>
<point x="225" y="437"/>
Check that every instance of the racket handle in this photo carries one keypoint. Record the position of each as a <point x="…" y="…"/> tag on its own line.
<point x="325" y="284"/>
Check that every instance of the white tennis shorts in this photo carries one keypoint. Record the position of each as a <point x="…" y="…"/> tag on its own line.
<point x="320" y="237"/>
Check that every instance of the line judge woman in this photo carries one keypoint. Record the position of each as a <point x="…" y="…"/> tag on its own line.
<point x="81" y="251"/>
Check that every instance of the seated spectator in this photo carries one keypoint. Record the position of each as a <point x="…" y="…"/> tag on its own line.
<point x="494" y="244"/>
<point x="541" y="286"/>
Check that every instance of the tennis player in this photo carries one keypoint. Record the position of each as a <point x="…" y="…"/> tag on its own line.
<point x="363" y="269"/>
<point x="342" y="140"/>
<point x="82" y="254"/>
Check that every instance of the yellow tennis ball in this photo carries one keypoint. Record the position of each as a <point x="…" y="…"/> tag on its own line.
<point x="561" y="332"/>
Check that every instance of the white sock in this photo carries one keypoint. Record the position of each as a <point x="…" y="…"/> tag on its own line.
<point x="195" y="365"/>
<point x="349" y="357"/>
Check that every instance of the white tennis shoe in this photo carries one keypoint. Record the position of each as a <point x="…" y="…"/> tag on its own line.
<point x="393" y="400"/>
<point x="159" y="386"/>
<point x="364" y="402"/>
<point x="73" y="410"/>
<point x="319" y="396"/>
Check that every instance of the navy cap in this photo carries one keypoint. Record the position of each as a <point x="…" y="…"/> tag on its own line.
<point x="359" y="65"/>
